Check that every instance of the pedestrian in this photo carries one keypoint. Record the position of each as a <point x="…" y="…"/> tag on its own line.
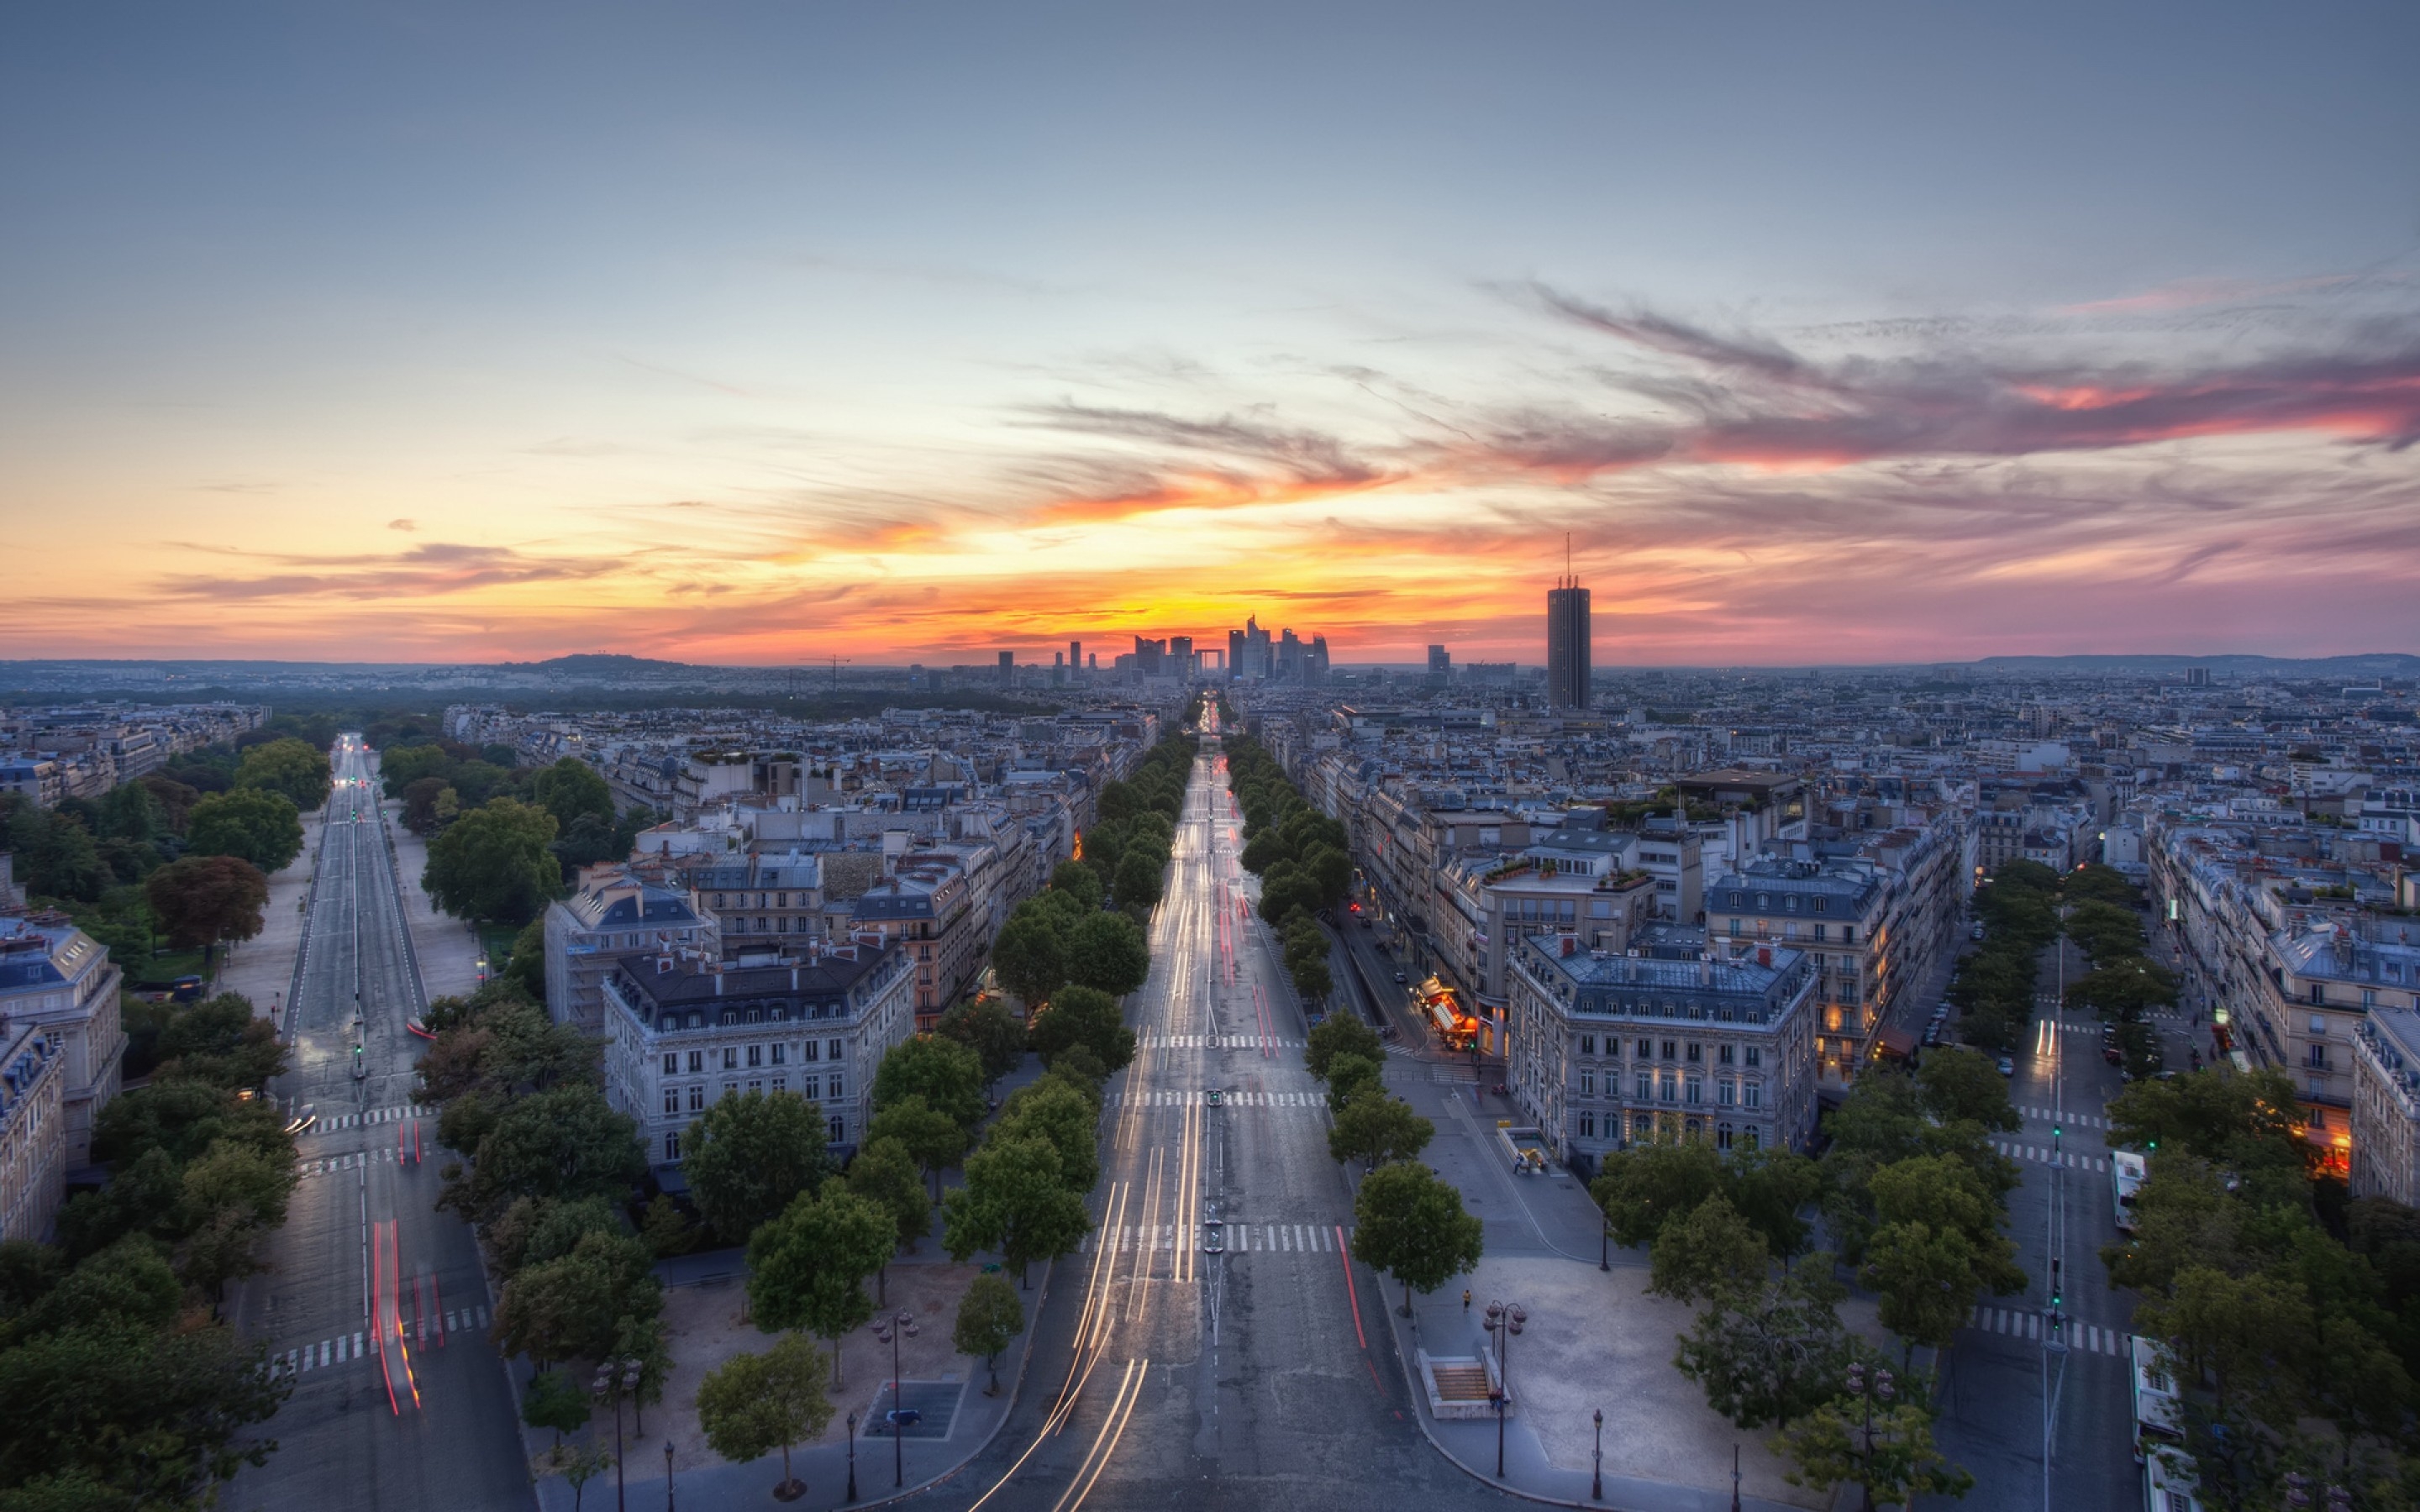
<point x="1465" y="1299"/>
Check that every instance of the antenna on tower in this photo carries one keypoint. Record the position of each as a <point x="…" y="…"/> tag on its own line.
<point x="1569" y="577"/>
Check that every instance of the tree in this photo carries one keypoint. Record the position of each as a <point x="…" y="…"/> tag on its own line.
<point x="1016" y="1202"/>
<point x="646" y="1343"/>
<point x="1708" y="1253"/>
<point x="1339" y="1034"/>
<point x="1079" y="882"/>
<point x="1927" y="1278"/>
<point x="665" y="1230"/>
<point x="1106" y="951"/>
<point x="576" y="1305"/>
<point x="208" y="900"/>
<point x="1889" y="1455"/>
<point x="1964" y="1084"/>
<point x="262" y="828"/>
<point x="1411" y="1226"/>
<point x="556" y="1401"/>
<point x="1769" y="1352"/>
<point x="292" y="768"/>
<point x="1068" y="1119"/>
<point x="564" y="1142"/>
<point x="494" y="863"/>
<point x="988" y="1027"/>
<point x="753" y="1404"/>
<point x="1350" y="1078"/>
<point x="807" y="1267"/>
<point x="1377" y="1129"/>
<point x="230" y="1196"/>
<point x="570" y="790"/>
<point x="1138" y="879"/>
<point x="1645" y="1187"/>
<point x="945" y="1074"/>
<point x="747" y="1156"/>
<point x="1084" y="1016"/>
<point x="1031" y="955"/>
<point x="420" y="800"/>
<point x="1311" y="980"/>
<point x="989" y="1319"/>
<point x="884" y="1174"/>
<point x="933" y="1139"/>
<point x="576" y="1463"/>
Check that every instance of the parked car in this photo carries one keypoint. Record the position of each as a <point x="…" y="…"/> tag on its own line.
<point x="2008" y="1066"/>
<point x="1402" y="981"/>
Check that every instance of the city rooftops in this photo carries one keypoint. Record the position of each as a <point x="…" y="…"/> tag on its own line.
<point x="827" y="983"/>
<point x="1749" y="985"/>
<point x="625" y="900"/>
<point x="1772" y="884"/>
<point x="44" y="949"/>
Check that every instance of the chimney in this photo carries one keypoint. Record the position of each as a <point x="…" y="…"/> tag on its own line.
<point x="1764" y="955"/>
<point x="1571" y="943"/>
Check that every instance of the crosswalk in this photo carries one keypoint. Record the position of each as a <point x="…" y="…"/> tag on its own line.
<point x="1214" y="1041"/>
<point x="350" y="1349"/>
<point x="384" y="1155"/>
<point x="355" y="1120"/>
<point x="2043" y="1154"/>
<point x="1309" y="1239"/>
<point x="2017" y="1322"/>
<point x="1249" y="1100"/>
<point x="2070" y="1120"/>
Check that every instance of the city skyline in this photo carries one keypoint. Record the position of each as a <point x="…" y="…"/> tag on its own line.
<point x="852" y="336"/>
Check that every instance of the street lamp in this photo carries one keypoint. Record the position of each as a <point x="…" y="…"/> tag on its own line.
<point x="1503" y="1321"/>
<point x="1596" y="1478"/>
<point x="888" y="1330"/>
<point x="1880" y="1389"/>
<point x="613" y="1378"/>
<point x="668" y="1474"/>
<point x="1603" y="1243"/>
<point x="852" y="1456"/>
<point x="1496" y="1399"/>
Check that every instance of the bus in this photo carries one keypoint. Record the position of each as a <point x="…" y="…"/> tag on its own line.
<point x="2126" y="1172"/>
<point x="2168" y="1482"/>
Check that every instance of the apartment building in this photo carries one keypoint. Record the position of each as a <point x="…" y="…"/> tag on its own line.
<point x="57" y="982"/>
<point x="33" y="1133"/>
<point x="1608" y="1050"/>
<point x="614" y="911"/>
<point x="683" y="1030"/>
<point x="2385" y="1160"/>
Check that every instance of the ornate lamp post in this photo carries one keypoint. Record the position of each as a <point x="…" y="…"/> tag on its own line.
<point x="668" y="1475"/>
<point x="1596" y="1477"/>
<point x="1503" y="1321"/>
<point x="889" y="1331"/>
<point x="1880" y="1389"/>
<point x="613" y="1378"/>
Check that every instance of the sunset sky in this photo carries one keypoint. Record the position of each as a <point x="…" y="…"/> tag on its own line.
<point x="761" y="333"/>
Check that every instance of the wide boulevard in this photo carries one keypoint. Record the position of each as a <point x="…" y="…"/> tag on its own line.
<point x="372" y="1300"/>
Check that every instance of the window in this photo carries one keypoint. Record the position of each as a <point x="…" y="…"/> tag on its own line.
<point x="1823" y="906"/>
<point x="1646" y="1084"/>
<point x="1819" y="935"/>
<point x="731" y="1089"/>
<point x="1587" y="1126"/>
<point x="757" y="1088"/>
<point x="672" y="1062"/>
<point x="1748" y="1137"/>
<point x="1697" y="1051"/>
<point x="839" y="1129"/>
<point x="808" y="1087"/>
<point x="1725" y="1093"/>
<point x="834" y="1051"/>
<point x="1725" y="1055"/>
<point x="697" y="1098"/>
<point x="672" y="1100"/>
<point x="2319" y="1025"/>
<point x="2319" y="1057"/>
<point x="1666" y="1086"/>
<point x="671" y="1147"/>
<point x="755" y="1055"/>
<point x="696" y="1061"/>
<point x="807" y="1051"/>
<point x="1646" y="1049"/>
<point x="831" y="1084"/>
<point x="779" y="1051"/>
<point x="2318" y="1088"/>
<point x="1752" y="1095"/>
<point x="1697" y="1088"/>
<point x="1668" y="1047"/>
<point x="1587" y="1044"/>
<point x="1588" y="1083"/>
<point x="1735" y="923"/>
<point x="731" y="1057"/>
<point x="1722" y="1136"/>
<point x="1755" y="1056"/>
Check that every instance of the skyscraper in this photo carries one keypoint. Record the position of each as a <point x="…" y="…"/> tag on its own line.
<point x="1568" y="644"/>
<point x="1440" y="664"/>
<point x="1008" y="669"/>
<point x="1075" y="658"/>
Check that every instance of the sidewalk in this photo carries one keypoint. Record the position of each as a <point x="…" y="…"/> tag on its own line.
<point x="1594" y="1341"/>
<point x="447" y="949"/>
<point x="262" y="967"/>
<point x="947" y="1386"/>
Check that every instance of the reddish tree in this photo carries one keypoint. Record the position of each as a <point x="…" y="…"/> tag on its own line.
<point x="203" y="899"/>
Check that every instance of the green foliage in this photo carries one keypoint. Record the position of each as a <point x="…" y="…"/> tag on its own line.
<point x="1302" y="856"/>
<point x="807" y="1267"/>
<point x="1411" y="1226"/>
<point x="989" y="1320"/>
<point x="554" y="1400"/>
<point x="933" y="1139"/>
<point x="1066" y="1118"/>
<point x="259" y="826"/>
<point x="1106" y="952"/>
<point x="988" y="1027"/>
<point x="753" y="1404"/>
<point x="1351" y="1079"/>
<point x="1889" y="1117"/>
<point x="1086" y="1017"/>
<point x="571" y="789"/>
<point x="1887" y="1451"/>
<point x="494" y="862"/>
<point x="1995" y="985"/>
<point x="885" y="1174"/>
<point x="294" y="769"/>
<point x="1082" y="885"/>
<point x="564" y="1142"/>
<point x="573" y="1307"/>
<point x="55" y="855"/>
<point x="1031" y="954"/>
<point x="207" y="900"/>
<point x="945" y="1074"/>
<point x="749" y="1154"/>
<point x="1339" y="1034"/>
<point x="1015" y="1202"/>
<point x="1769" y="1352"/>
<point x="1708" y="1253"/>
<point x="1377" y="1129"/>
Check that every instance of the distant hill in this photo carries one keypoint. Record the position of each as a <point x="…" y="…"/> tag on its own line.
<point x="597" y="664"/>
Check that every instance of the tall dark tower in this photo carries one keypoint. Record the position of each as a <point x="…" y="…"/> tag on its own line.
<point x="1567" y="640"/>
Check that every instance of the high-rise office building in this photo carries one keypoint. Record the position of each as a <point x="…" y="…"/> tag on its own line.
<point x="1440" y="664"/>
<point x="1235" y="655"/>
<point x="1075" y="658"/>
<point x="1180" y="655"/>
<point x="1568" y="644"/>
<point x="1007" y="669"/>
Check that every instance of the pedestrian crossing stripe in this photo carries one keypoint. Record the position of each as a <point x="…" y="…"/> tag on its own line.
<point x="1305" y="1239"/>
<point x="329" y="1166"/>
<point x="344" y="1349"/>
<point x="2079" y="1120"/>
<point x="1248" y="1099"/>
<point x="355" y="1120"/>
<point x="2019" y="1323"/>
<point x="2043" y="1155"/>
<point x="1217" y="1042"/>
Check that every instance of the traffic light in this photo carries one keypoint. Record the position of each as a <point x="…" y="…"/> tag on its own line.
<point x="2054" y="1286"/>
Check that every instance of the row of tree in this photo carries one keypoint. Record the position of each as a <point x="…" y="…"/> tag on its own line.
<point x="120" y="1386"/>
<point x="2104" y="918"/>
<point x="1915" y="1200"/>
<point x="1134" y="825"/>
<point x="1061" y="934"/>
<point x="1300" y="856"/>
<point x="1993" y="989"/>
<point x="2294" y="1314"/>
